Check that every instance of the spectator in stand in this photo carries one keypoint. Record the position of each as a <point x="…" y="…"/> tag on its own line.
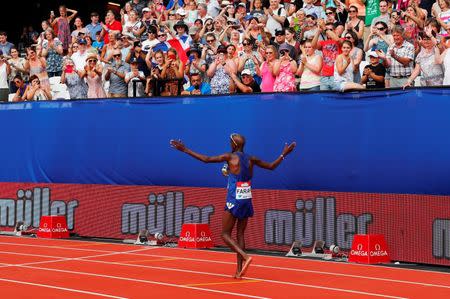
<point x="135" y="75"/>
<point x="125" y="45"/>
<point x="36" y="65"/>
<point x="93" y="74"/>
<point x="148" y="22"/>
<point x="45" y="25"/>
<point x="219" y="72"/>
<point x="344" y="69"/>
<point x="36" y="92"/>
<point x="310" y="9"/>
<point x="89" y="46"/>
<point x="94" y="27"/>
<point x="182" y="35"/>
<point x="330" y="48"/>
<point x="137" y="54"/>
<point x="111" y="27"/>
<point x="356" y="54"/>
<point x="276" y="14"/>
<point x="195" y="65"/>
<point x="248" y="83"/>
<point x="79" y="29"/>
<point x="138" y="5"/>
<point x="256" y="8"/>
<point x="197" y="86"/>
<point x="125" y="13"/>
<point x="79" y="57"/>
<point x="231" y="54"/>
<point x="107" y="52"/>
<point x="284" y="70"/>
<point x="411" y="25"/>
<point x="444" y="17"/>
<point x="194" y="34"/>
<point x="309" y="69"/>
<point x="374" y="73"/>
<point x="5" y="46"/>
<point x="291" y="41"/>
<point x="250" y="59"/>
<point x="17" y="68"/>
<point x="394" y="20"/>
<point x="360" y="7"/>
<point x="280" y="39"/>
<point x="210" y="48"/>
<point x="255" y="31"/>
<point x="72" y="49"/>
<point x="355" y="24"/>
<point x="332" y="17"/>
<point x="115" y="74"/>
<point x="191" y="12"/>
<point x="427" y="66"/>
<point x="132" y="27"/>
<point x="73" y="79"/>
<point x="98" y="43"/>
<point x="21" y="87"/>
<point x="63" y="24"/>
<point x="267" y="69"/>
<point x="5" y="70"/>
<point x="444" y="59"/>
<point x="202" y="12"/>
<point x="378" y="39"/>
<point x="400" y="58"/>
<point x="384" y="14"/>
<point x="52" y="50"/>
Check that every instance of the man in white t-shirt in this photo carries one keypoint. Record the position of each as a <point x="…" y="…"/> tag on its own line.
<point x="79" y="57"/>
<point x="276" y="16"/>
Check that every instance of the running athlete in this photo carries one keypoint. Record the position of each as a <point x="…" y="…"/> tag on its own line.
<point x="238" y="206"/>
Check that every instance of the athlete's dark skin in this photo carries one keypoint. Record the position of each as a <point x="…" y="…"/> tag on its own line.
<point x="237" y="143"/>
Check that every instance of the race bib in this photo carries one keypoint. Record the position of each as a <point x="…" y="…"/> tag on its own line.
<point x="243" y="190"/>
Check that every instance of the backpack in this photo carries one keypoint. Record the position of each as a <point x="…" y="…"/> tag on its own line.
<point x="286" y="22"/>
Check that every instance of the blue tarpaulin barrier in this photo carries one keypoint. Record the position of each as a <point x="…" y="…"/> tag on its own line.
<point x="384" y="141"/>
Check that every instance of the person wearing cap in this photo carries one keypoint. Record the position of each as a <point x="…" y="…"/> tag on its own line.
<point x="309" y="8"/>
<point x="311" y="27"/>
<point x="137" y="53"/>
<point x="219" y="72"/>
<point x="152" y="39"/>
<point x="280" y="39"/>
<point x="194" y="34"/>
<point x="276" y="15"/>
<point x="93" y="75"/>
<point x="94" y="26"/>
<point x="284" y="70"/>
<point x="111" y="26"/>
<point x="181" y="14"/>
<point x="197" y="86"/>
<point x="248" y="83"/>
<point x="79" y="57"/>
<point x="148" y="21"/>
<point x="374" y="73"/>
<point x="115" y="74"/>
<point x="135" y="75"/>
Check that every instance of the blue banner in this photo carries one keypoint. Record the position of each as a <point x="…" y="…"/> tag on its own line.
<point x="383" y="142"/>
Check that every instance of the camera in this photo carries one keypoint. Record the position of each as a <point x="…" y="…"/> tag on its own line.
<point x="136" y="44"/>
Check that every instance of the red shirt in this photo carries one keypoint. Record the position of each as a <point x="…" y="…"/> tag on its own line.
<point x="330" y="50"/>
<point x="115" y="26"/>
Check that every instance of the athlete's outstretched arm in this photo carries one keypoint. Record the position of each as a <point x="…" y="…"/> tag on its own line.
<point x="207" y="159"/>
<point x="286" y="151"/>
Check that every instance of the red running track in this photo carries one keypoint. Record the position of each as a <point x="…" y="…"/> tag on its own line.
<point x="49" y="268"/>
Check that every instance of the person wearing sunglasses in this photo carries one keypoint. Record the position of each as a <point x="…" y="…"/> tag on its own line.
<point x="21" y="87"/>
<point x="355" y="24"/>
<point x="93" y="74"/>
<point x="238" y="208"/>
<point x="17" y="64"/>
<point x="115" y="74"/>
<point x="284" y="70"/>
<point x="378" y="39"/>
<point x="266" y="70"/>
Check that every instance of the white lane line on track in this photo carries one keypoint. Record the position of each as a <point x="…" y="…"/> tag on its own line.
<point x="28" y="265"/>
<point x="60" y="288"/>
<point x="142" y="281"/>
<point x="229" y="263"/>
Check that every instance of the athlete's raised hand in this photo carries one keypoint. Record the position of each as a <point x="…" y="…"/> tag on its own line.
<point x="178" y="145"/>
<point x="288" y="148"/>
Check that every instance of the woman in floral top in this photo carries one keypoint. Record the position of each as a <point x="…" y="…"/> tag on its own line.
<point x="52" y="50"/>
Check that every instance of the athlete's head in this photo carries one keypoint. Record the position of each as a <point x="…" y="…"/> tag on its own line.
<point x="237" y="142"/>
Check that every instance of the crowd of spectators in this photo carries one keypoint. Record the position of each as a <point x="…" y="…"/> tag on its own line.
<point x="195" y="47"/>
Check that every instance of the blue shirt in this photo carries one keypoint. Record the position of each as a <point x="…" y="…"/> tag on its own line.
<point x="6" y="48"/>
<point x="93" y="29"/>
<point x="243" y="176"/>
<point x="205" y="88"/>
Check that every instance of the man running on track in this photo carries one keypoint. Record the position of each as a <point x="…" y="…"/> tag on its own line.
<point x="239" y="197"/>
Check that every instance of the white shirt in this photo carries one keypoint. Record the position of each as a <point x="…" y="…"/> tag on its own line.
<point x="272" y="25"/>
<point x="79" y="60"/>
<point x="3" y="76"/>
